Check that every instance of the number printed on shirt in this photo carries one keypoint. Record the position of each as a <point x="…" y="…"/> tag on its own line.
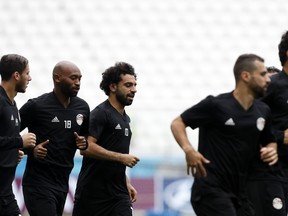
<point x="67" y="123"/>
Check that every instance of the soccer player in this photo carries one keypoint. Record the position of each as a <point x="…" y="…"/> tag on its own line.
<point x="60" y="121"/>
<point x="231" y="128"/>
<point x="272" y="184"/>
<point x="15" y="76"/>
<point x="103" y="188"/>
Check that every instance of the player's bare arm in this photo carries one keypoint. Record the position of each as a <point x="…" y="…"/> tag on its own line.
<point x="195" y="160"/>
<point x="96" y="151"/>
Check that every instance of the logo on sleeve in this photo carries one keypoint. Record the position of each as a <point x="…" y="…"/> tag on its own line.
<point x="79" y="119"/>
<point x="260" y="123"/>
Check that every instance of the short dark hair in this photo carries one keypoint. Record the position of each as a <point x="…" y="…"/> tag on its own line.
<point x="283" y="47"/>
<point x="11" y="63"/>
<point x="113" y="75"/>
<point x="245" y="62"/>
<point x="272" y="69"/>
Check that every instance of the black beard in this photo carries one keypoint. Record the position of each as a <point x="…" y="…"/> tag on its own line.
<point x="122" y="99"/>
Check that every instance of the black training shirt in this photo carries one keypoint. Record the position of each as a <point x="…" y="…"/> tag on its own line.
<point x="230" y="138"/>
<point x="48" y="119"/>
<point x="10" y="142"/>
<point x="102" y="181"/>
<point x="277" y="99"/>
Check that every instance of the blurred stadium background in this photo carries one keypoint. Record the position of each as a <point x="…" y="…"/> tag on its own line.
<point x="182" y="51"/>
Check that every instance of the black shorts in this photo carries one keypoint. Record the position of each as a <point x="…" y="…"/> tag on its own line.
<point x="221" y="205"/>
<point x="9" y="206"/>
<point x="207" y="201"/>
<point x="44" y="201"/>
<point x="268" y="197"/>
<point x="120" y="207"/>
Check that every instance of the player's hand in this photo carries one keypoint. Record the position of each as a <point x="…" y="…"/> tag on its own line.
<point x="285" y="141"/>
<point x="132" y="192"/>
<point x="269" y="154"/>
<point x="20" y="155"/>
<point x="29" y="140"/>
<point x="195" y="162"/>
<point x="40" y="151"/>
<point x="128" y="160"/>
<point x="81" y="141"/>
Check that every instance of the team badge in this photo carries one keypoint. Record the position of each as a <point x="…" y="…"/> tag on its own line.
<point x="16" y="122"/>
<point x="277" y="203"/>
<point x="260" y="123"/>
<point x="126" y="132"/>
<point x="79" y="119"/>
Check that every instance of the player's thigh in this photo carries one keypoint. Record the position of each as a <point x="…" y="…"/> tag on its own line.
<point x="214" y="205"/>
<point x="123" y="208"/>
<point x="267" y="197"/>
<point x="39" y="201"/>
<point x="81" y="208"/>
<point x="9" y="209"/>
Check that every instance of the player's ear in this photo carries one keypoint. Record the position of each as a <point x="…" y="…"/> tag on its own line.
<point x="56" y="77"/>
<point x="16" y="75"/>
<point x="113" y="87"/>
<point x="245" y="75"/>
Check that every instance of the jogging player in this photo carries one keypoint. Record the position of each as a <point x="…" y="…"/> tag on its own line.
<point x="231" y="128"/>
<point x="271" y="184"/>
<point x="15" y="76"/>
<point x="103" y="188"/>
<point x="60" y="121"/>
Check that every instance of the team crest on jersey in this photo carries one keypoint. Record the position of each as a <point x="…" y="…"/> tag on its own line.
<point x="79" y="119"/>
<point x="260" y="123"/>
<point x="126" y="132"/>
<point x="16" y="122"/>
<point x="277" y="203"/>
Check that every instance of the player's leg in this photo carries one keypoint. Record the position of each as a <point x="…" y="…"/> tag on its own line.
<point x="39" y="201"/>
<point x="267" y="197"/>
<point x="82" y="207"/>
<point x="123" y="207"/>
<point x="9" y="207"/>
<point x="60" y="201"/>
<point x="214" y="204"/>
<point x="8" y="203"/>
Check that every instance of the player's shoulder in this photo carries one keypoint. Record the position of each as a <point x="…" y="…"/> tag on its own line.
<point x="103" y="108"/>
<point x="80" y="101"/>
<point x="40" y="100"/>
<point x="43" y="97"/>
<point x="278" y="80"/>
<point x="261" y="104"/>
<point x="220" y="98"/>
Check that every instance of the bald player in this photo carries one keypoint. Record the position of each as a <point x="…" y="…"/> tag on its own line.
<point x="60" y="121"/>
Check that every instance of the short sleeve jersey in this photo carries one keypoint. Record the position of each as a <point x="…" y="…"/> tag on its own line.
<point x="229" y="137"/>
<point x="277" y="99"/>
<point x="10" y="142"/>
<point x="49" y="120"/>
<point x="103" y="180"/>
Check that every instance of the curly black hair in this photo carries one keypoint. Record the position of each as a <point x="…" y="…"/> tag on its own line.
<point x="113" y="75"/>
<point x="283" y="48"/>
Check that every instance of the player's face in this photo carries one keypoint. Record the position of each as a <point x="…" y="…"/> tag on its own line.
<point x="24" y="79"/>
<point x="259" y="80"/>
<point x="126" y="89"/>
<point x="70" y="83"/>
